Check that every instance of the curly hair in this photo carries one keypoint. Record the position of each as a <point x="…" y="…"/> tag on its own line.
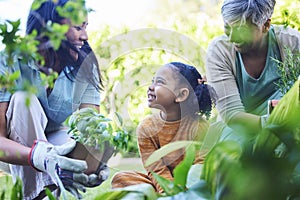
<point x="200" y="101"/>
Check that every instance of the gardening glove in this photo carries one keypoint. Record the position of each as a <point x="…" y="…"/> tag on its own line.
<point x="51" y="159"/>
<point x="263" y="120"/>
<point x="73" y="182"/>
<point x="97" y="178"/>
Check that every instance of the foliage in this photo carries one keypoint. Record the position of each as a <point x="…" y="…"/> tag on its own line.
<point x="26" y="48"/>
<point x="289" y="70"/>
<point x="15" y="191"/>
<point x="269" y="159"/>
<point x="287" y="14"/>
<point x="91" y="128"/>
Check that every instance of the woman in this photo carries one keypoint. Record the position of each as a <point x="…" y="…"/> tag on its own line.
<point x="241" y="65"/>
<point x="27" y="133"/>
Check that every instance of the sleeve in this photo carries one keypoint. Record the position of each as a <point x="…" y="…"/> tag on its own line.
<point x="220" y="69"/>
<point x="4" y="69"/>
<point x="147" y="145"/>
<point x="91" y="95"/>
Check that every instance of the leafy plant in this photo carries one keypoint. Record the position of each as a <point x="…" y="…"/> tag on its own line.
<point x="248" y="169"/>
<point x="91" y="128"/>
<point x="262" y="167"/>
<point x="289" y="70"/>
<point x="180" y="174"/>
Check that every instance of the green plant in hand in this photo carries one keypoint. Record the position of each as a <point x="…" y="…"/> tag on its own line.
<point x="91" y="128"/>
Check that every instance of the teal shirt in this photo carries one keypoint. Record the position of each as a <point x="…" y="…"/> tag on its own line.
<point x="255" y="93"/>
<point x="64" y="99"/>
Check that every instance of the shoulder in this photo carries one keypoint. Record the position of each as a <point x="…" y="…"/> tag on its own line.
<point x="220" y="51"/>
<point x="287" y="36"/>
<point x="221" y="42"/>
<point x="8" y="64"/>
<point x="196" y="122"/>
<point x="282" y="30"/>
<point x="149" y="121"/>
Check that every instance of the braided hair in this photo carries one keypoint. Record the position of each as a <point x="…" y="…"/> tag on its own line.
<point x="200" y="101"/>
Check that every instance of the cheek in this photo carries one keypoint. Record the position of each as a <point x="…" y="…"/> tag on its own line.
<point x="70" y="35"/>
<point x="164" y="93"/>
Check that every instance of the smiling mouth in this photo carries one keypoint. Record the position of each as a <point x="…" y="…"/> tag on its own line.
<point x="238" y="45"/>
<point x="151" y="97"/>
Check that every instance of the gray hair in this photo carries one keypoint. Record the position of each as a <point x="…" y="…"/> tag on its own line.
<point x="257" y="11"/>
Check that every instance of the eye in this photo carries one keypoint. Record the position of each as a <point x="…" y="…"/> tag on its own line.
<point x="78" y="28"/>
<point x="227" y="30"/>
<point x="160" y="82"/>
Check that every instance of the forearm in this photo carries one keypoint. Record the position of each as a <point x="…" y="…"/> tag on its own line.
<point x="13" y="152"/>
<point x="10" y="151"/>
<point x="85" y="105"/>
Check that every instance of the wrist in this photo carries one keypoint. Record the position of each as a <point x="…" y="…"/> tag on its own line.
<point x="263" y="120"/>
<point x="30" y="156"/>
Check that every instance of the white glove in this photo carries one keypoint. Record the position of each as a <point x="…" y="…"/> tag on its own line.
<point x="263" y="120"/>
<point x="51" y="159"/>
<point x="101" y="175"/>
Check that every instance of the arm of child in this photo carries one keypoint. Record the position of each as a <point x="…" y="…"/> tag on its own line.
<point x="147" y="145"/>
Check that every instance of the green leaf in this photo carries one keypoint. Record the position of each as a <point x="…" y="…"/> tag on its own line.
<point x="158" y="154"/>
<point x="120" y="119"/>
<point x="50" y="195"/>
<point x="112" y="195"/>
<point x="182" y="169"/>
<point x="142" y="191"/>
<point x="17" y="192"/>
<point x="222" y="152"/>
<point x="168" y="186"/>
<point x="199" y="191"/>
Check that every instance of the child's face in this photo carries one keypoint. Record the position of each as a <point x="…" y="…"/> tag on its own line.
<point x="162" y="91"/>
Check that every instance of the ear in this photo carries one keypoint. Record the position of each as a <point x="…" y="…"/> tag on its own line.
<point x="183" y="95"/>
<point x="267" y="26"/>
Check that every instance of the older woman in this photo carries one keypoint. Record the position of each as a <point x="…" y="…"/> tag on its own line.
<point x="240" y="64"/>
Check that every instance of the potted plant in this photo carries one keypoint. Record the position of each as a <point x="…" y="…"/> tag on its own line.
<point x="97" y="136"/>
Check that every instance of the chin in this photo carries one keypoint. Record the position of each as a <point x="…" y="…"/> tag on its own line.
<point x="242" y="49"/>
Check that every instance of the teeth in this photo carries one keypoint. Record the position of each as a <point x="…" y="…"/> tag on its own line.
<point x="237" y="44"/>
<point x="151" y="97"/>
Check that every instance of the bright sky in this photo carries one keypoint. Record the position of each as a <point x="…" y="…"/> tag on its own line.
<point x="113" y="12"/>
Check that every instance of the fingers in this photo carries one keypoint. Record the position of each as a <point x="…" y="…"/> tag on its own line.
<point x="71" y="164"/>
<point x="74" y="192"/>
<point x="104" y="173"/>
<point x="94" y="180"/>
<point x="81" y="178"/>
<point x="66" y="148"/>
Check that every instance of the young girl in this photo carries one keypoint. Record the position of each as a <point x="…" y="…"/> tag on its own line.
<point x="180" y="94"/>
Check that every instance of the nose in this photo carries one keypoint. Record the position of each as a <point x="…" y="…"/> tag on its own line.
<point x="151" y="87"/>
<point x="235" y="36"/>
<point x="83" y="35"/>
<point x="232" y="36"/>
